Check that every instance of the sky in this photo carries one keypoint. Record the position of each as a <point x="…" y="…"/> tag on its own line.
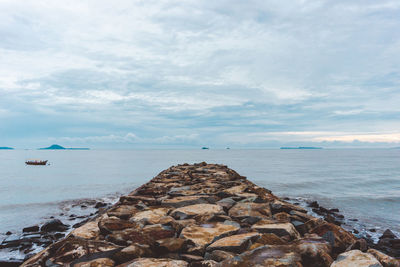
<point x="186" y="74"/>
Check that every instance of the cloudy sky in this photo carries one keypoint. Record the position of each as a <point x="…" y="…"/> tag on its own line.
<point x="199" y="73"/>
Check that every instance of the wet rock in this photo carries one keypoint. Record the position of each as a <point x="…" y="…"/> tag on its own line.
<point x="202" y="235"/>
<point x="234" y="243"/>
<point x="355" y="258"/>
<point x="34" y="228"/>
<point x="152" y="262"/>
<point x="360" y="244"/>
<point x="244" y="210"/>
<point x="100" y="205"/>
<point x="388" y="234"/>
<point x="280" y="229"/>
<point x="198" y="209"/>
<point x="9" y="233"/>
<point x="313" y="204"/>
<point x="54" y="226"/>
<point x="265" y="256"/>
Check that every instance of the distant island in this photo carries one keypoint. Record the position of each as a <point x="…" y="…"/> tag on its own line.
<point x="5" y="147"/>
<point x="58" y="147"/>
<point x="301" y="147"/>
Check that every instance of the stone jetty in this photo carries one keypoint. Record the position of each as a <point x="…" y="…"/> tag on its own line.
<point x="207" y="215"/>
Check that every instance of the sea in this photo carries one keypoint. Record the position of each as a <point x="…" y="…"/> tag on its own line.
<point x="364" y="184"/>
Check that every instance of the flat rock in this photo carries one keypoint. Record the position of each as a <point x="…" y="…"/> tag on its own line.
<point x="101" y="262"/>
<point x="280" y="229"/>
<point x="152" y="216"/>
<point x="171" y="244"/>
<point x="152" y="262"/>
<point x="89" y="230"/>
<point x="234" y="243"/>
<point x="202" y="235"/>
<point x="109" y="225"/>
<point x="132" y="252"/>
<point x="243" y="210"/>
<point x="280" y="256"/>
<point x="356" y="258"/>
<point x="197" y="209"/>
<point x="182" y="201"/>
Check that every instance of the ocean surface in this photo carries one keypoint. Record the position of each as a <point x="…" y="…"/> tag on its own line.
<point x="362" y="183"/>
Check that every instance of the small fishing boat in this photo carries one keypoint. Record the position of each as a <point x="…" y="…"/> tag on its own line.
<point x="36" y="162"/>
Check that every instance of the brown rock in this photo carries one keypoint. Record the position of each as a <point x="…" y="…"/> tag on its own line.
<point x="202" y="235"/>
<point x="243" y="210"/>
<point x="101" y="262"/>
<point x="219" y="255"/>
<point x="130" y="236"/>
<point x="171" y="244"/>
<point x="159" y="231"/>
<point x="270" y="239"/>
<point x="281" y="256"/>
<point x="314" y="252"/>
<point x="234" y="243"/>
<point x="335" y="235"/>
<point x="89" y="230"/>
<point x="280" y="229"/>
<point x="132" y="252"/>
<point x="109" y="225"/>
<point x="355" y="258"/>
<point x="122" y="211"/>
<point x="151" y="216"/>
<point x="198" y="209"/>
<point x="182" y="201"/>
<point x="152" y="262"/>
<point x="384" y="259"/>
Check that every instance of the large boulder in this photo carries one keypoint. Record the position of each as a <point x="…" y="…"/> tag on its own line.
<point x="356" y="258"/>
<point x="54" y="226"/>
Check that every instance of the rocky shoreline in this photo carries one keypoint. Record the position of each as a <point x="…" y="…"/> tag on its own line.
<point x="208" y="215"/>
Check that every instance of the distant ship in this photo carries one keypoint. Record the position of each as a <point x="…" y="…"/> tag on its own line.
<point x="301" y="147"/>
<point x="36" y="162"/>
<point x="204" y="147"/>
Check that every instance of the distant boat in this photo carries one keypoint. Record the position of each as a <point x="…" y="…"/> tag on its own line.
<point x="36" y="162"/>
<point x="204" y="147"/>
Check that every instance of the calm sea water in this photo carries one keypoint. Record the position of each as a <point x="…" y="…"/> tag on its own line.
<point x="363" y="183"/>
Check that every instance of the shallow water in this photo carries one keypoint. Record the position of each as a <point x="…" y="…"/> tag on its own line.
<point x="362" y="183"/>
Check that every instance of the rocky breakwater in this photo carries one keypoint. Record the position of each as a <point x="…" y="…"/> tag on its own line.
<point x="207" y="215"/>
